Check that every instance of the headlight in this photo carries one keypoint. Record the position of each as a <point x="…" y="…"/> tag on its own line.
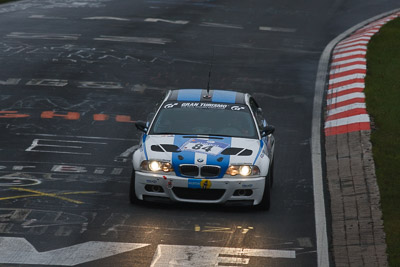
<point x="243" y="170"/>
<point x="156" y="166"/>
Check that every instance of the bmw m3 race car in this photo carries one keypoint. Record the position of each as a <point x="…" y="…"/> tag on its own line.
<point x="205" y="147"/>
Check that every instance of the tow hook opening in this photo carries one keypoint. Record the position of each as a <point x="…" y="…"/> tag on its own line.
<point x="243" y="192"/>
<point x="154" y="188"/>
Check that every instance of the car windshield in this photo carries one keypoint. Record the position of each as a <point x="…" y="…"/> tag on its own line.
<point x="205" y="118"/>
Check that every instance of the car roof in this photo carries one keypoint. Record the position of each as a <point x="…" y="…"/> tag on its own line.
<point x="200" y="95"/>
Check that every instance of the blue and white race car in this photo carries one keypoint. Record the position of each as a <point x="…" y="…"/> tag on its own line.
<point x="205" y="147"/>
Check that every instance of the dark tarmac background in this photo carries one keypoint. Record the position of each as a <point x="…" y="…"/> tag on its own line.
<point x="74" y="75"/>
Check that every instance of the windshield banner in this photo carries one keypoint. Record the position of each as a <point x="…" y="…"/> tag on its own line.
<point x="204" y="105"/>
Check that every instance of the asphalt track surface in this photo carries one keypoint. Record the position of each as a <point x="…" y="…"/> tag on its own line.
<point x="74" y="75"/>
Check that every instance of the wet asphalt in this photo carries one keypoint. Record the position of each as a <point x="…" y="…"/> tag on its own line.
<point x="75" y="75"/>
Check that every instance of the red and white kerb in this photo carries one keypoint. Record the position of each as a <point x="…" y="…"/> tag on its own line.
<point x="346" y="109"/>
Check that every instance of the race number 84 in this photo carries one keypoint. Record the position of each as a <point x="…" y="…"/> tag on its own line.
<point x="199" y="146"/>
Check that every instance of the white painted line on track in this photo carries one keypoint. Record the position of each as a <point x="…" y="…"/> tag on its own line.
<point x="182" y="22"/>
<point x="102" y="85"/>
<point x="176" y="255"/>
<point x="38" y="146"/>
<point x="77" y="136"/>
<point x="233" y="260"/>
<point x="348" y="120"/>
<point x="48" y="82"/>
<point x="220" y="25"/>
<point x="47" y="36"/>
<point x="348" y="68"/>
<point x="144" y="40"/>
<point x="16" y="250"/>
<point x="316" y="158"/>
<point x="44" y="17"/>
<point x="335" y="111"/>
<point x="276" y="29"/>
<point x="56" y="163"/>
<point x="106" y="18"/>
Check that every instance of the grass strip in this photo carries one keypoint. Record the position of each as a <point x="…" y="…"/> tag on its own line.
<point x="383" y="104"/>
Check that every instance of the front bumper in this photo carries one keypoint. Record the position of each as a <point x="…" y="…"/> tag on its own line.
<point x="196" y="190"/>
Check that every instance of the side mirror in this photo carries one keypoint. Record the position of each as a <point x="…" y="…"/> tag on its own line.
<point x="141" y="126"/>
<point x="269" y="129"/>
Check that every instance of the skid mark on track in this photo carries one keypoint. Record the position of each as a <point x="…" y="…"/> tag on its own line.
<point x="45" y="36"/>
<point x="44" y="17"/>
<point x="132" y="39"/>
<point x="50" y="4"/>
<point x="276" y="29"/>
<point x="182" y="22"/>
<point x="220" y="25"/>
<point x="106" y="18"/>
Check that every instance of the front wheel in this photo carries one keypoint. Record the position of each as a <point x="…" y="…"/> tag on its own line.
<point x="132" y="192"/>
<point x="266" y="200"/>
<point x="271" y="175"/>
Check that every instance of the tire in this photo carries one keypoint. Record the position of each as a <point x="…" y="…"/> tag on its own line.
<point x="271" y="174"/>
<point x="132" y="192"/>
<point x="266" y="199"/>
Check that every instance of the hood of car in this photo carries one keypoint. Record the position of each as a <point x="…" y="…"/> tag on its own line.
<point x="192" y="151"/>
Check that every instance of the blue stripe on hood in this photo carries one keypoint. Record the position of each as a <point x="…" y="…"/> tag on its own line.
<point x="188" y="156"/>
<point x="144" y="145"/>
<point x="213" y="159"/>
<point x="259" y="151"/>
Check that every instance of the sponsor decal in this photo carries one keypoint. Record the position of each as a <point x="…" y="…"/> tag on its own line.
<point x="204" y="146"/>
<point x="169" y="184"/>
<point x="151" y="181"/>
<point x="199" y="183"/>
<point x="170" y="105"/>
<point x="247" y="185"/>
<point x="204" y="105"/>
<point x="205" y="184"/>
<point x="237" y="108"/>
